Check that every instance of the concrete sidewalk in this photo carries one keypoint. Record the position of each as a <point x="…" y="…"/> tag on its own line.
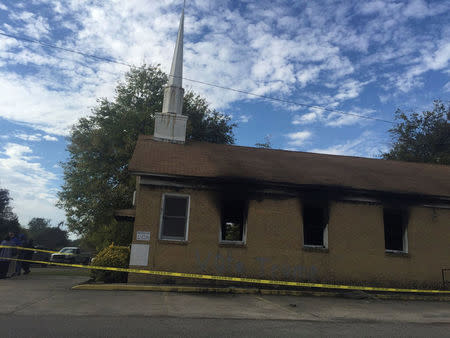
<point x="352" y="294"/>
<point x="52" y="295"/>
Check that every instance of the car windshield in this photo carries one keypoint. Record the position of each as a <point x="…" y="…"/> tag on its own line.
<point x="68" y="250"/>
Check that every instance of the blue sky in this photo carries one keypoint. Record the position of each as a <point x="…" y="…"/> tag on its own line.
<point x="361" y="57"/>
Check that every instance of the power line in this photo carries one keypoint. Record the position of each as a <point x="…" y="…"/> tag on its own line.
<point x="288" y="101"/>
<point x="111" y="60"/>
<point x="45" y="44"/>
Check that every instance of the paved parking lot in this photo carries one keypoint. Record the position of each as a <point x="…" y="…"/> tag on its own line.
<point x="47" y="294"/>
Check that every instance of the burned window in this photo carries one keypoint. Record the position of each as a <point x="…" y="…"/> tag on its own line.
<point x="233" y="220"/>
<point x="395" y="229"/>
<point x="174" y="217"/>
<point x="315" y="221"/>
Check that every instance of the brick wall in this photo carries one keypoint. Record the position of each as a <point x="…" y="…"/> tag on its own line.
<point x="274" y="246"/>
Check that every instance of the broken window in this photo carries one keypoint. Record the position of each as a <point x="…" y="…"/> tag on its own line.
<point x="315" y="225"/>
<point x="233" y="220"/>
<point x="174" y="218"/>
<point x="395" y="236"/>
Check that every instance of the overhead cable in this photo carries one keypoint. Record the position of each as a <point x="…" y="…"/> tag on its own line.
<point x="271" y="98"/>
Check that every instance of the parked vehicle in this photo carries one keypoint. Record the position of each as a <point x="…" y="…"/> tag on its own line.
<point x="70" y="255"/>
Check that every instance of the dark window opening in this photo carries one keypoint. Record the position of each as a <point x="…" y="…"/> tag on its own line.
<point x="174" y="217"/>
<point x="394" y="229"/>
<point x="233" y="220"/>
<point x="315" y="219"/>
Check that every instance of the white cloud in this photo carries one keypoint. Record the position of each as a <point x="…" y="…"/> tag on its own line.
<point x="32" y="25"/>
<point x="244" y="118"/>
<point x="447" y="87"/>
<point x="35" y="137"/>
<point x="349" y="90"/>
<point x="26" y="99"/>
<point x="268" y="52"/>
<point x="29" y="137"/>
<point x="50" y="138"/>
<point x="3" y="7"/>
<point x="335" y="118"/>
<point x="29" y="183"/>
<point x="420" y="9"/>
<point x="298" y="138"/>
<point x="366" y="145"/>
<point x="350" y="117"/>
<point x="314" y="115"/>
<point x="437" y="58"/>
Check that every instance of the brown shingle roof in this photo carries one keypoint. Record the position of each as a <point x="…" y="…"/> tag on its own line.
<point x="208" y="160"/>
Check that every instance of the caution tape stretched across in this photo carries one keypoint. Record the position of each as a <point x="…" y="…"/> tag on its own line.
<point x="235" y="279"/>
<point x="33" y="249"/>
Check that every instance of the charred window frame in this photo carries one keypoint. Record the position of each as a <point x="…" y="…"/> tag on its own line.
<point x="233" y="227"/>
<point x="174" y="222"/>
<point x="315" y="225"/>
<point x="395" y="230"/>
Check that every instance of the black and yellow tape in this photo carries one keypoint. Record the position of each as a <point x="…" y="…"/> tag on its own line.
<point x="239" y="279"/>
<point x="33" y="249"/>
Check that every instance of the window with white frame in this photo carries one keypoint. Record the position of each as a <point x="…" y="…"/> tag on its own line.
<point x="315" y="225"/>
<point x="174" y="217"/>
<point x="395" y="230"/>
<point x="233" y="220"/>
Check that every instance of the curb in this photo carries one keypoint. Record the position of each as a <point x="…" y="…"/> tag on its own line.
<point x="254" y="291"/>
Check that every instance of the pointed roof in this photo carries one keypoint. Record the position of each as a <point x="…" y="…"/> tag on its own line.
<point x="176" y="71"/>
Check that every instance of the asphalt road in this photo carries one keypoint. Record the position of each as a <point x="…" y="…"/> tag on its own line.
<point x="93" y="326"/>
<point x="42" y="304"/>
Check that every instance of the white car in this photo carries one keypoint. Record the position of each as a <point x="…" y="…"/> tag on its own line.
<point x="71" y="255"/>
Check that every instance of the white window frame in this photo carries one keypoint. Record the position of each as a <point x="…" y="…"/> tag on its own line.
<point x="161" y="218"/>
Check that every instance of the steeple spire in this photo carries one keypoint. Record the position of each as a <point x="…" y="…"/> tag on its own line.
<point x="170" y="125"/>
<point x="176" y="71"/>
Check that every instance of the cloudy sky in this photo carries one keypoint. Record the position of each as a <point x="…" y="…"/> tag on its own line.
<point x="360" y="57"/>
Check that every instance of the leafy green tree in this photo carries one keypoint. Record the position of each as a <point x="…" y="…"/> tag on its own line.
<point x="36" y="225"/>
<point x="8" y="219"/>
<point x="42" y="233"/>
<point x="96" y="178"/>
<point x="421" y="137"/>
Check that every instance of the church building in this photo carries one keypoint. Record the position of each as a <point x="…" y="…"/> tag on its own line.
<point x="284" y="215"/>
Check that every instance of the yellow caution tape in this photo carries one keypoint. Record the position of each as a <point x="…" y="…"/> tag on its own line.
<point x="32" y="249"/>
<point x="236" y="279"/>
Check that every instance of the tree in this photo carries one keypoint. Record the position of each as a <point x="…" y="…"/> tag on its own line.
<point x="267" y="144"/>
<point x="8" y="219"/>
<point x="96" y="178"/>
<point x="421" y="137"/>
<point x="36" y="225"/>
<point x="42" y="233"/>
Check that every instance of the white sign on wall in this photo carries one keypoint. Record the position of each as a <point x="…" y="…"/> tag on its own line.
<point x="139" y="254"/>
<point x="143" y="236"/>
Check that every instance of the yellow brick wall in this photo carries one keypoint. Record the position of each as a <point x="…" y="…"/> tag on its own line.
<point x="274" y="246"/>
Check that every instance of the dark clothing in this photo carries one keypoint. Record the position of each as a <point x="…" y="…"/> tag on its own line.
<point x="7" y="253"/>
<point x="27" y="254"/>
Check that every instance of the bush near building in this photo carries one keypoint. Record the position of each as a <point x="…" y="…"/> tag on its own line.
<point x="111" y="256"/>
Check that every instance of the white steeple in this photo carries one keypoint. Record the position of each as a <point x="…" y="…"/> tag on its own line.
<point x="176" y="71"/>
<point x="170" y="125"/>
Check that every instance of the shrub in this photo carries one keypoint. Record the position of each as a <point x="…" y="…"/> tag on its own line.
<point x="111" y="256"/>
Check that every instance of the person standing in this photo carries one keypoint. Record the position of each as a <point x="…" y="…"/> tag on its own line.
<point x="6" y="253"/>
<point x="20" y="242"/>
<point x="28" y="255"/>
<point x="13" y="242"/>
